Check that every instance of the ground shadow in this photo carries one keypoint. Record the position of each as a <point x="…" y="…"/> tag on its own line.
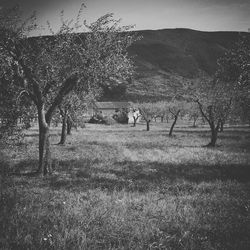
<point x="141" y="176"/>
<point x="25" y="167"/>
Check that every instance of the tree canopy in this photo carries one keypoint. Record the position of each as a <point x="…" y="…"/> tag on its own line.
<point x="47" y="69"/>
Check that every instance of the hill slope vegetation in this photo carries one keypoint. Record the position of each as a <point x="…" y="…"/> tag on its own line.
<point x="168" y="57"/>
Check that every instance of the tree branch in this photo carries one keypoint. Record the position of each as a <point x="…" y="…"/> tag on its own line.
<point x="67" y="86"/>
<point x="202" y="112"/>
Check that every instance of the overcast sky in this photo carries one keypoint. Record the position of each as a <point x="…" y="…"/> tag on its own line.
<point x="206" y="15"/>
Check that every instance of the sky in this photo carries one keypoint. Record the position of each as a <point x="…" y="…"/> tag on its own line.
<point x="205" y="15"/>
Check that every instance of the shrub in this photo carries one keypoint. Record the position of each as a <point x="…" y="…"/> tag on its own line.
<point x="121" y="117"/>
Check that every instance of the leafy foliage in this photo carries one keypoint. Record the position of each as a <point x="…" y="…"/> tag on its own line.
<point x="121" y="116"/>
<point x="47" y="70"/>
<point x="234" y="70"/>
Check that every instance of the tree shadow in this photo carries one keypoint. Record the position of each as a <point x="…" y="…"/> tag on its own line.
<point x="143" y="176"/>
<point x="26" y="167"/>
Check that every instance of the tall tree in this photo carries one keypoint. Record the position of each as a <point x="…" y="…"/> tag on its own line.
<point x="49" y="68"/>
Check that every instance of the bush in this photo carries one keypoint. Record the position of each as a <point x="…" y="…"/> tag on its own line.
<point x="121" y="117"/>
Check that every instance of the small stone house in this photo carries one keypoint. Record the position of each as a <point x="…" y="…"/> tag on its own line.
<point x="110" y="108"/>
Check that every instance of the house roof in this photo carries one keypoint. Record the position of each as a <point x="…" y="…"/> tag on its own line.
<point x="112" y="105"/>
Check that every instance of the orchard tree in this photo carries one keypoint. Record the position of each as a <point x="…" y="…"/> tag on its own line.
<point x="214" y="99"/>
<point x="47" y="69"/>
<point x="148" y="111"/>
<point x="71" y="107"/>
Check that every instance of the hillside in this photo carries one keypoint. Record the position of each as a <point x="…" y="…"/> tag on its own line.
<point x="171" y="56"/>
<point x="181" y="51"/>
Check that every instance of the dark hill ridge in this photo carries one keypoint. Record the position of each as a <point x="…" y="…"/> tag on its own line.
<point x="181" y="51"/>
<point x="169" y="57"/>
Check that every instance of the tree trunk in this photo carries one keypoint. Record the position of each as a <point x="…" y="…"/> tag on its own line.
<point x="135" y="120"/>
<point x="44" y="144"/>
<point x="214" y="134"/>
<point x="221" y="126"/>
<point x="69" y="126"/>
<point x="64" y="127"/>
<point x="162" y="117"/>
<point x="173" y="124"/>
<point x="148" y="125"/>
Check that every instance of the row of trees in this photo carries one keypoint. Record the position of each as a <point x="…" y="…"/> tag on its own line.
<point x="165" y="110"/>
<point x="216" y="99"/>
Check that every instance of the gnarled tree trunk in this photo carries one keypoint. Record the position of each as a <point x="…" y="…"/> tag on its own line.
<point x="173" y="124"/>
<point x="214" y="134"/>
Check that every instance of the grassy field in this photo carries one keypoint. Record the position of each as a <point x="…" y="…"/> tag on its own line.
<point x="120" y="187"/>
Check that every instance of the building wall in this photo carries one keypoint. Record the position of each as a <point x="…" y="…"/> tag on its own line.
<point x="107" y="112"/>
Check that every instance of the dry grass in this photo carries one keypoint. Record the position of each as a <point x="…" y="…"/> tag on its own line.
<point x="119" y="187"/>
